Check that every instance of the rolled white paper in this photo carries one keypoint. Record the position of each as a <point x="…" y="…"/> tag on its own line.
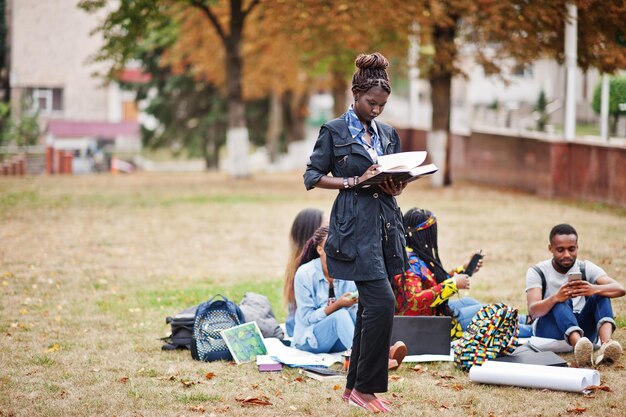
<point x="535" y="376"/>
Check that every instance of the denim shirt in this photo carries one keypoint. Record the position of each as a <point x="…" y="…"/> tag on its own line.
<point x="311" y="290"/>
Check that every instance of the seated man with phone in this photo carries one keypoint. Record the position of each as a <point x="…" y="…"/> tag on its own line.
<point x="571" y="300"/>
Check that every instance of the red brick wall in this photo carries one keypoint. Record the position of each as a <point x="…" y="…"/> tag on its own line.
<point x="585" y="171"/>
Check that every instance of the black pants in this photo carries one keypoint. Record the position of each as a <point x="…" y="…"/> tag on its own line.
<point x="369" y="360"/>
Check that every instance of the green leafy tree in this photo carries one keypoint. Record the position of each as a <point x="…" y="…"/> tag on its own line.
<point x="617" y="101"/>
<point x="189" y="110"/>
<point x="24" y="131"/>
<point x="505" y="32"/>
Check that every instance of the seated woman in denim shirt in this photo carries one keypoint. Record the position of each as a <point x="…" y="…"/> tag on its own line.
<point x="324" y="323"/>
<point x="304" y="225"/>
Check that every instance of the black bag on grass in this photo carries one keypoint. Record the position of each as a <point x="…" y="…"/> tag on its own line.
<point x="211" y="317"/>
<point x="182" y="329"/>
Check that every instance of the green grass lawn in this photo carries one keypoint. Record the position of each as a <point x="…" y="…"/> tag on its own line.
<point x="91" y="266"/>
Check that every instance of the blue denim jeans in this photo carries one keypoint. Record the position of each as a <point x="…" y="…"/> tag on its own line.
<point x="334" y="333"/>
<point x="290" y="323"/>
<point x="465" y="308"/>
<point x="561" y="321"/>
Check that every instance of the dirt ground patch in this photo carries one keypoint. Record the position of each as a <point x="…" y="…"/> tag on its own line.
<point x="91" y="266"/>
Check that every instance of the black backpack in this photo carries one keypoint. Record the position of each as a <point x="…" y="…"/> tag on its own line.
<point x="212" y="316"/>
<point x="182" y="329"/>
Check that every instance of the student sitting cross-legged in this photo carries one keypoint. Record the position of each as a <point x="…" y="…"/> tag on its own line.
<point x="573" y="300"/>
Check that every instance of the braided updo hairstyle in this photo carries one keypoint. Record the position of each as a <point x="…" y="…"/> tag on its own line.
<point x="371" y="72"/>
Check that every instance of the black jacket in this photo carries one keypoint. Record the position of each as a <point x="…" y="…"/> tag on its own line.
<point x="366" y="235"/>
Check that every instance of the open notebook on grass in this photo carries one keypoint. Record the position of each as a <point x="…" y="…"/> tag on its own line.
<point x="401" y="167"/>
<point x="244" y="341"/>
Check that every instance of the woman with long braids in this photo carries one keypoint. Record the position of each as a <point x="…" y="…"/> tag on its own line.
<point x="365" y="242"/>
<point x="426" y="288"/>
<point x="326" y="307"/>
<point x="307" y="221"/>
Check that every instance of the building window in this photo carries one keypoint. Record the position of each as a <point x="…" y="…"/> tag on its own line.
<point x="45" y="100"/>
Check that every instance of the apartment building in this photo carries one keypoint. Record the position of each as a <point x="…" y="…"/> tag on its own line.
<point x="52" y="73"/>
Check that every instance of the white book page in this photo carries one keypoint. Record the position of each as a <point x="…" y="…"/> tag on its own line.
<point x="403" y="161"/>
<point x="424" y="169"/>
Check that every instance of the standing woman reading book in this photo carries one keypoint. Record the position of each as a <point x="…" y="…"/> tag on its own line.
<point x="365" y="241"/>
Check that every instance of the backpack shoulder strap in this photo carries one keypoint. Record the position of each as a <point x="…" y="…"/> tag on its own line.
<point x="543" y="280"/>
<point x="583" y="275"/>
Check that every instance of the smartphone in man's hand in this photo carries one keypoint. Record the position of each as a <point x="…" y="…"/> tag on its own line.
<point x="574" y="276"/>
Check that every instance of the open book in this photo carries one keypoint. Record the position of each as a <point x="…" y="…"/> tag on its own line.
<point x="400" y="167"/>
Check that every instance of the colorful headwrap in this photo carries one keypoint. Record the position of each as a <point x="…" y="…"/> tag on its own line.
<point x="426" y="223"/>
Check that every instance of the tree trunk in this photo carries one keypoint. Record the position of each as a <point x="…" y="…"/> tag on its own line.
<point x="237" y="141"/>
<point x="274" y="127"/>
<point x="295" y="111"/>
<point x="439" y="143"/>
<point x="613" y="124"/>
<point x="339" y="88"/>
<point x="5" y="83"/>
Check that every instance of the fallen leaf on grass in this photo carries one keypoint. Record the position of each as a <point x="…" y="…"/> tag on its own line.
<point x="599" y="388"/>
<point x="197" y="408"/>
<point x="456" y="387"/>
<point x="395" y="377"/>
<point x="255" y="386"/>
<point x="299" y="379"/>
<point x="418" y="368"/>
<point x="293" y="408"/>
<point x="253" y="401"/>
<point x="123" y="379"/>
<point x="186" y="383"/>
<point x="336" y="387"/>
<point x="577" y="410"/>
<point x="209" y="375"/>
<point x="444" y="407"/>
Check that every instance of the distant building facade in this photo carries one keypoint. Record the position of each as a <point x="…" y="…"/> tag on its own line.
<point x="52" y="74"/>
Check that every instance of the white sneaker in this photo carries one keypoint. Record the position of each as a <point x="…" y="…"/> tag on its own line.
<point x="583" y="352"/>
<point x="609" y="352"/>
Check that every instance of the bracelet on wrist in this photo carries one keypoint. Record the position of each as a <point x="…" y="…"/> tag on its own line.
<point x="345" y="182"/>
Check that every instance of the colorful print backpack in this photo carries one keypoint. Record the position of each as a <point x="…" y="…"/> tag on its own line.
<point x="492" y="333"/>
